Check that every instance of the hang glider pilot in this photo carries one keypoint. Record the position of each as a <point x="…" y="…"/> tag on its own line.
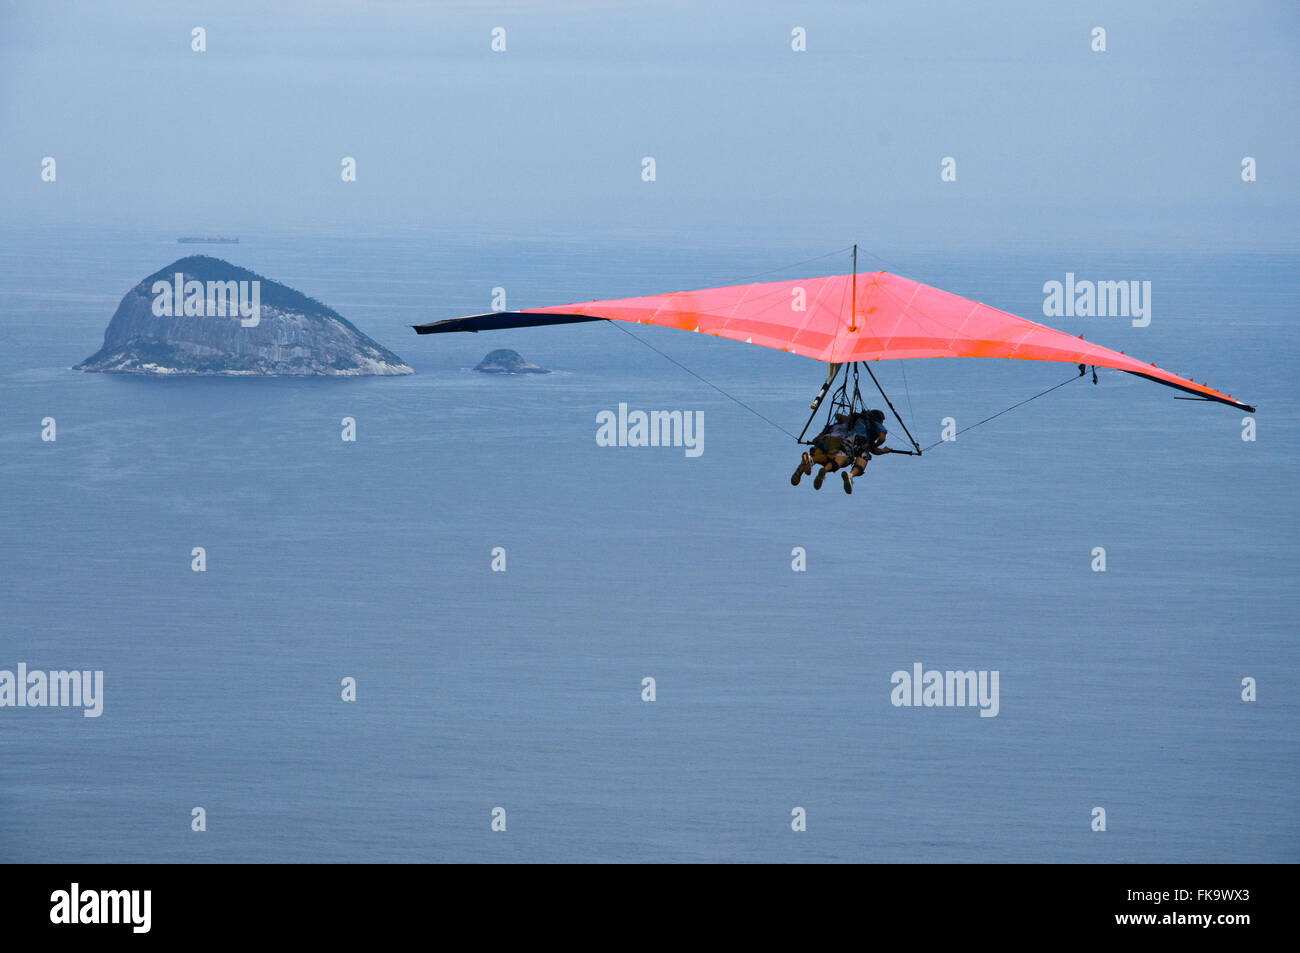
<point x="855" y="437"/>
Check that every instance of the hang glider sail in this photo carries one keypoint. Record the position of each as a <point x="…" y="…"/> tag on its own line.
<point x="843" y="319"/>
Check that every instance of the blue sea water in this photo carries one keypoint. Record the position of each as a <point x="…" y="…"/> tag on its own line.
<point x="522" y="689"/>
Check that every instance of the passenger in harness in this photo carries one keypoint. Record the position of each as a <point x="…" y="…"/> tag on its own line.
<point x="824" y="449"/>
<point x="850" y="438"/>
<point x="866" y="439"/>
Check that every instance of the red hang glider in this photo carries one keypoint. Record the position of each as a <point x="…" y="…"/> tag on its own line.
<point x="844" y="319"/>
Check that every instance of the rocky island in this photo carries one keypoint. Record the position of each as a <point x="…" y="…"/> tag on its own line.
<point x="203" y="315"/>
<point x="505" y="361"/>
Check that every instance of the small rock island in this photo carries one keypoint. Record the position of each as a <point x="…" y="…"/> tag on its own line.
<point x="205" y="316"/>
<point x="505" y="361"/>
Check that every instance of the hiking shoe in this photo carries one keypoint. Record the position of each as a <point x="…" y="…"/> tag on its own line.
<point x="848" y="481"/>
<point x="805" y="466"/>
<point x="819" y="479"/>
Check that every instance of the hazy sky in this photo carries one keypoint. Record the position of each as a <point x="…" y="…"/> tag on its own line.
<point x="1052" y="141"/>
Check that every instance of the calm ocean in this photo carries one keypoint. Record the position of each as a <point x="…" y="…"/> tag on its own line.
<point x="478" y="689"/>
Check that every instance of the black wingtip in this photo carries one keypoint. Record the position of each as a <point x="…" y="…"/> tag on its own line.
<point x="500" y="320"/>
<point x="1197" y="394"/>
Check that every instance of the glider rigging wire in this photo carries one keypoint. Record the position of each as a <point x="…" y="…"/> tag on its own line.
<point x="702" y="378"/>
<point x="1073" y="377"/>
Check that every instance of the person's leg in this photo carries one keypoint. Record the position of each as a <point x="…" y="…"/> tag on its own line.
<point x="805" y="466"/>
<point x="859" y="466"/>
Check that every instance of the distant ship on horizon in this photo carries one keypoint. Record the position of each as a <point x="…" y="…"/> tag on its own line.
<point x="207" y="240"/>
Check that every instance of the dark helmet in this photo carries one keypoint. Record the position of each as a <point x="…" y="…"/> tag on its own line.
<point x="876" y="416"/>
